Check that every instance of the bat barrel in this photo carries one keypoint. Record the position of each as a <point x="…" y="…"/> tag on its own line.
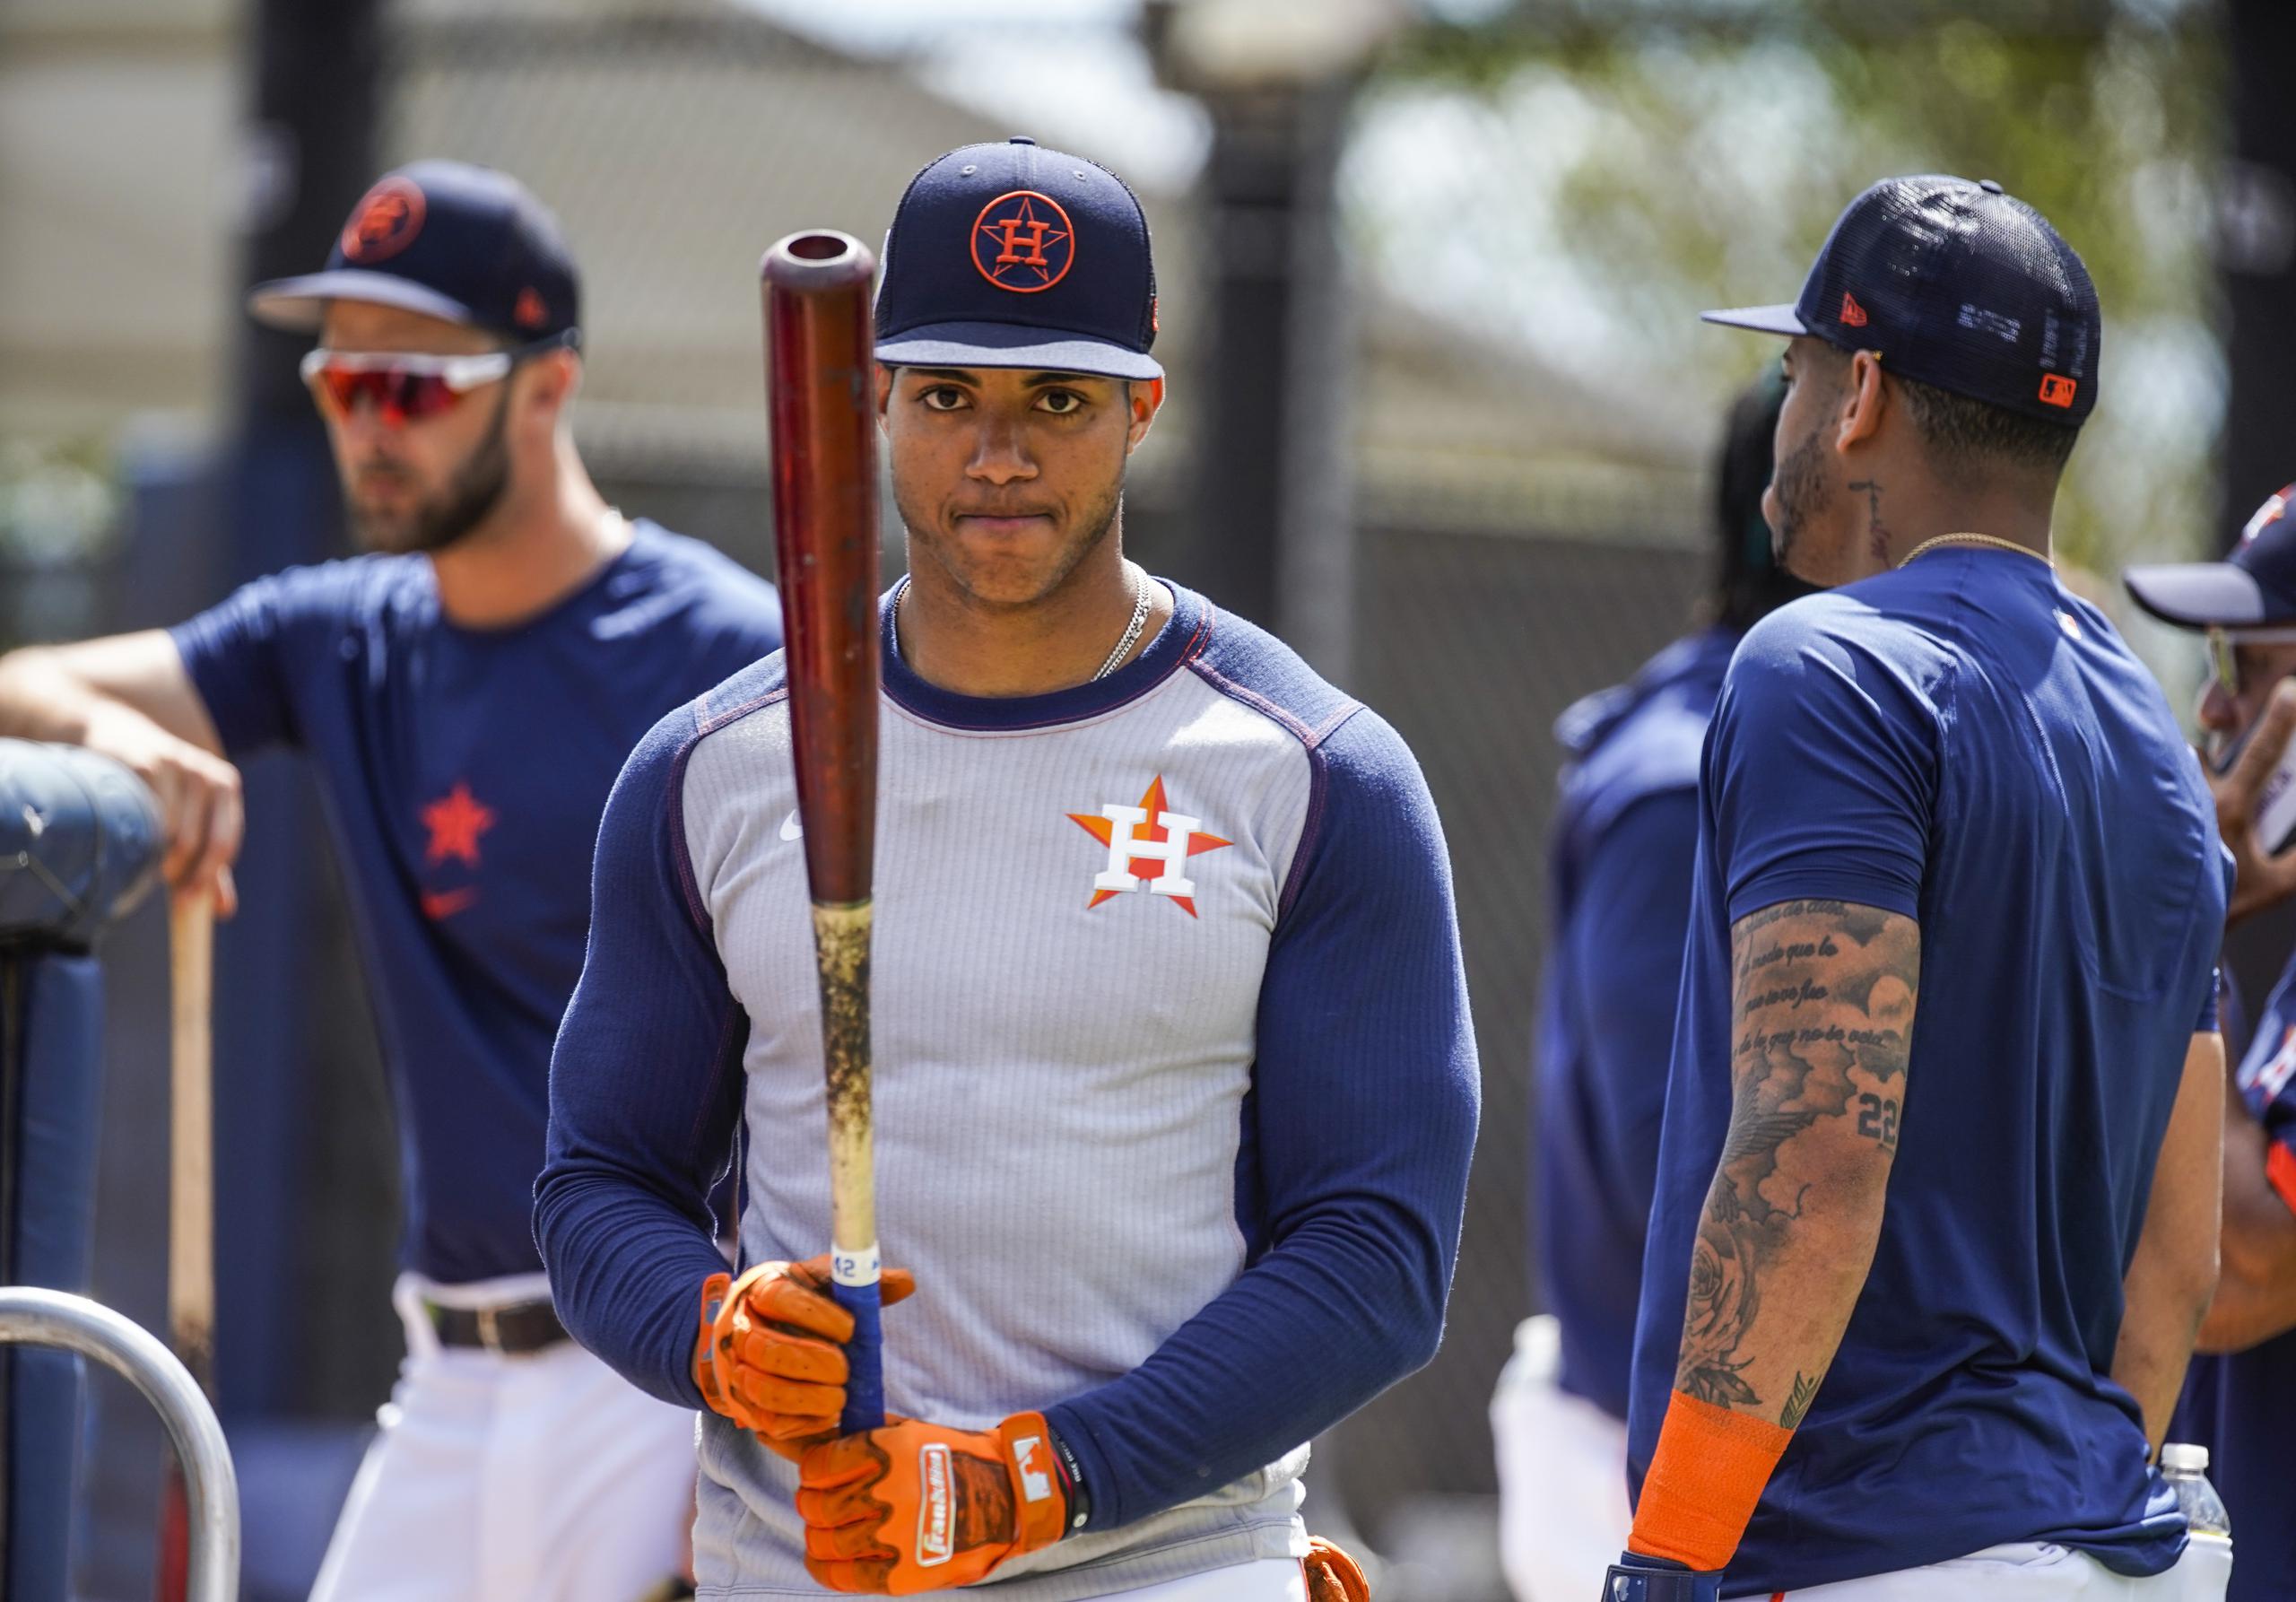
<point x="822" y="388"/>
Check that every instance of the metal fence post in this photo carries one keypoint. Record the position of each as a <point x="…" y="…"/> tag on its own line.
<point x="53" y="1318"/>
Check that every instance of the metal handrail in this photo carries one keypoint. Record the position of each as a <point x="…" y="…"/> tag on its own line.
<point x="211" y="1489"/>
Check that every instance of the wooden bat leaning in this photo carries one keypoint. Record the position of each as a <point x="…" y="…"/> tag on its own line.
<point x="191" y="1192"/>
<point x="821" y="400"/>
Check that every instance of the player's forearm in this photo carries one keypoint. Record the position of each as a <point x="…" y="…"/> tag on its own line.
<point x="1822" y="1014"/>
<point x="41" y="698"/>
<point x="2166" y="1301"/>
<point x="1344" y="1309"/>
<point x="626" y="1268"/>
<point x="2173" y="1275"/>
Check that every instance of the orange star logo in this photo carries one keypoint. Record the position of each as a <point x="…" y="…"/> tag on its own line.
<point x="455" y="821"/>
<point x="1148" y="847"/>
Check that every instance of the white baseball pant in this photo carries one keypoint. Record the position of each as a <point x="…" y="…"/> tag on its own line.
<point x="544" y="1477"/>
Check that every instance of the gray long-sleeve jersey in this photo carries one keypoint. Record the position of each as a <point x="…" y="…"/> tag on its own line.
<point x="1174" y="1084"/>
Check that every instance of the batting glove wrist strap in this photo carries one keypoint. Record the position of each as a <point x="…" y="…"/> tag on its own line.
<point x="920" y="1507"/>
<point x="1638" y="1578"/>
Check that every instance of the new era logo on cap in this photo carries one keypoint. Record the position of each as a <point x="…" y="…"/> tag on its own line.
<point x="1014" y="256"/>
<point x="1958" y="286"/>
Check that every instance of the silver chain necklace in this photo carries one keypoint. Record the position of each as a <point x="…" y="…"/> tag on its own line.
<point x="1131" y="630"/>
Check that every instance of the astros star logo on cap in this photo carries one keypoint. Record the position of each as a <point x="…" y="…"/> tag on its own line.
<point x="1023" y="242"/>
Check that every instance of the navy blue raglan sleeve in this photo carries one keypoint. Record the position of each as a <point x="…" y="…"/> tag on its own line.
<point x="1820" y="771"/>
<point x="645" y="1091"/>
<point x="1362" y="1118"/>
<point x="246" y="653"/>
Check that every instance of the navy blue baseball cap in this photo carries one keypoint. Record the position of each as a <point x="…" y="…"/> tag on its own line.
<point x="1957" y="285"/>
<point x="1014" y="255"/>
<point x="465" y="243"/>
<point x="2253" y="588"/>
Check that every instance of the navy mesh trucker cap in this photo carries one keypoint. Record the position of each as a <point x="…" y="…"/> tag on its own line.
<point x="1014" y="255"/>
<point x="2254" y="588"/>
<point x="465" y="243"/>
<point x="1958" y="286"/>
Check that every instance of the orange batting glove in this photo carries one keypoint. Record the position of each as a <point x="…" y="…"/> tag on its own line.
<point x="771" y="1356"/>
<point x="918" y="1507"/>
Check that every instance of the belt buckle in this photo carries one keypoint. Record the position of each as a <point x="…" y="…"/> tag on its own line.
<point x="490" y="1332"/>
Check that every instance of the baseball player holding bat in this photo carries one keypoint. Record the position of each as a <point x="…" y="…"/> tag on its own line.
<point x="1174" y="1084"/>
<point x="465" y="692"/>
<point x="1936" y="1218"/>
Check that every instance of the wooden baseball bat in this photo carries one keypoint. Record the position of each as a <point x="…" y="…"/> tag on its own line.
<point x="820" y="402"/>
<point x="191" y="1193"/>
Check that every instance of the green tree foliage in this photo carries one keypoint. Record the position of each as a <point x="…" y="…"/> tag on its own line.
<point x="1618" y="168"/>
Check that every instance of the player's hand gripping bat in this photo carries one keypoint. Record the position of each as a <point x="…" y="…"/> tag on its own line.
<point x="821" y="400"/>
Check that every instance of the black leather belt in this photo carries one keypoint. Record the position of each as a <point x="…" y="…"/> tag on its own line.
<point x="521" y="1327"/>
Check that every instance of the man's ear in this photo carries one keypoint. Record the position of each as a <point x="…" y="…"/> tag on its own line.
<point x="884" y="391"/>
<point x="553" y="381"/>
<point x="1147" y="398"/>
<point x="1864" y="398"/>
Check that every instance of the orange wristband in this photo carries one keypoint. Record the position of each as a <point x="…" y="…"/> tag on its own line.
<point x="2280" y="1173"/>
<point x="1705" y="1478"/>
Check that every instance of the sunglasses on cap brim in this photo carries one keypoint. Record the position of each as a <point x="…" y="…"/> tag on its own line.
<point x="2223" y="663"/>
<point x="407" y="386"/>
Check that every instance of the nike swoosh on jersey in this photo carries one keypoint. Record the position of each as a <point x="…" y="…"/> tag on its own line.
<point x="792" y="826"/>
<point x="440" y="904"/>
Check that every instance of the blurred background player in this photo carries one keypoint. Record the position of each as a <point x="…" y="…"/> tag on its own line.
<point x="1175" y="1085"/>
<point x="467" y="692"/>
<point x="1946" y="786"/>
<point x="2239" y="1401"/>
<point x="1625" y="841"/>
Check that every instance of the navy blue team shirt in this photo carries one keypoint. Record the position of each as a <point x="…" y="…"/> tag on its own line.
<point x="1625" y="842"/>
<point x="464" y="773"/>
<point x="1962" y="742"/>
<point x="2242" y="1407"/>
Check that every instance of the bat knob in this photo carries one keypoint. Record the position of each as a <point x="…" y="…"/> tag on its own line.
<point x="817" y="259"/>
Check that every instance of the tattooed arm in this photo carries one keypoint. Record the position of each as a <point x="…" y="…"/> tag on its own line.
<point x="1821" y="1016"/>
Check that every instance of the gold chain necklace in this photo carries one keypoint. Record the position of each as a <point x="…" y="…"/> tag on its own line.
<point x="1978" y="539"/>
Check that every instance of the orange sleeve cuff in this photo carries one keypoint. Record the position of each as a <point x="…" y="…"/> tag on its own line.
<point x="2280" y="1173"/>
<point x="1705" y="1479"/>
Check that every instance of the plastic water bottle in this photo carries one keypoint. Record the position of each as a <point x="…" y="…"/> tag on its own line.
<point x="2186" y="1469"/>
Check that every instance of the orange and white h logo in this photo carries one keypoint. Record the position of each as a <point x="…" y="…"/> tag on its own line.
<point x="1148" y="849"/>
